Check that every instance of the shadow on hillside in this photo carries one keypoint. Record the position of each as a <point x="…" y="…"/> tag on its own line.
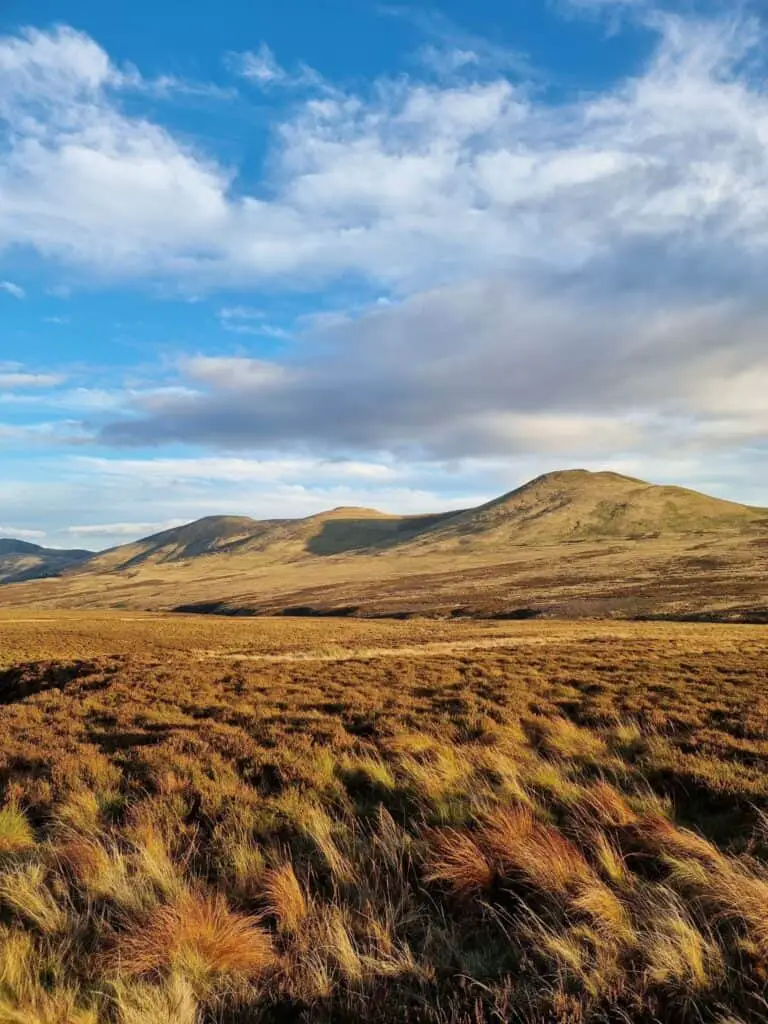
<point x="338" y="536"/>
<point x="733" y="616"/>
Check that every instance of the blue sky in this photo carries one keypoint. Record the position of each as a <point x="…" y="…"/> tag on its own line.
<point x="267" y="259"/>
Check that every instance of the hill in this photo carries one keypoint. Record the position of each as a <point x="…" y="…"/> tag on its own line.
<point x="202" y="537"/>
<point x="20" y="560"/>
<point x="576" y="505"/>
<point x="570" y="543"/>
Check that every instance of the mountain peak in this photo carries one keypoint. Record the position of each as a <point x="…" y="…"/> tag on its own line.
<point x="583" y="476"/>
<point x="349" y="512"/>
<point x="579" y="505"/>
<point x="559" y="530"/>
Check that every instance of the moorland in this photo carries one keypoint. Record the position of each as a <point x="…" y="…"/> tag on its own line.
<point x="570" y="544"/>
<point x="235" y="820"/>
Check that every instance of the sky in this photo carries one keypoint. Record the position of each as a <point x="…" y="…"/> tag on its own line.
<point x="267" y="259"/>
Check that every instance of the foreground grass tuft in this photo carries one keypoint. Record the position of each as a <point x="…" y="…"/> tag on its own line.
<point x="199" y="937"/>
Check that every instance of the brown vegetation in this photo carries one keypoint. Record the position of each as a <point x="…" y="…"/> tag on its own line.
<point x="207" y="820"/>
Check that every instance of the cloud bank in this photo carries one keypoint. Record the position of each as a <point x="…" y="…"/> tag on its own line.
<point x="580" y="278"/>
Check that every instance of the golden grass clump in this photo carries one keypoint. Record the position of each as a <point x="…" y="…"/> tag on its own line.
<point x="534" y="852"/>
<point x="284" y="899"/>
<point x="338" y="946"/>
<point x="603" y="805"/>
<point x="169" y="1001"/>
<point x="33" y="985"/>
<point x="678" y="954"/>
<point x="240" y="861"/>
<point x="25" y="892"/>
<point x="199" y="936"/>
<point x="455" y="859"/>
<point x="16" y="833"/>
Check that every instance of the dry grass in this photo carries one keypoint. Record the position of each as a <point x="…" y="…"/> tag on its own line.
<point x="198" y="936"/>
<point x="284" y="898"/>
<point x="527" y="823"/>
<point x="456" y="859"/>
<point x="16" y="834"/>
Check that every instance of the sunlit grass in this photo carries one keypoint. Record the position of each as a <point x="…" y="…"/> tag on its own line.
<point x="457" y="839"/>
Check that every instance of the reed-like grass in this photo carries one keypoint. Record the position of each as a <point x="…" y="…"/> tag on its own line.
<point x="517" y="835"/>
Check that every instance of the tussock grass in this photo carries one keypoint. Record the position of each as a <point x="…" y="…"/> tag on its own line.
<point x="16" y="833"/>
<point x="561" y="833"/>
<point x="171" y="1001"/>
<point x="25" y="892"/>
<point x="284" y="898"/>
<point x="456" y="859"/>
<point x="199" y="937"/>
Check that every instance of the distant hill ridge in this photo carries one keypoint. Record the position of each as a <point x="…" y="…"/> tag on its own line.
<point x="20" y="560"/>
<point x="564" y="505"/>
<point x="629" y="535"/>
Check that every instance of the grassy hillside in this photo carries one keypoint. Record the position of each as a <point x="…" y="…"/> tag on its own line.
<point x="208" y="821"/>
<point x="568" y="544"/>
<point x="20" y="560"/>
<point x="576" y="505"/>
<point x="203" y="537"/>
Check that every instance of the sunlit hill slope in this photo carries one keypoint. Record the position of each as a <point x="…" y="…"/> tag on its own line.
<point x="569" y="543"/>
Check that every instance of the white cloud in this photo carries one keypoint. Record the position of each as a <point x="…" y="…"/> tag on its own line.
<point x="563" y="279"/>
<point x="453" y="50"/>
<point x="121" y="529"/>
<point x="410" y="184"/>
<point x="12" y="289"/>
<point x="94" y="498"/>
<point x="239" y="470"/>
<point x="247" y="320"/>
<point x="19" y="533"/>
<point x="261" y="66"/>
<point x="263" y="69"/>
<point x="20" y="379"/>
<point x="447" y="61"/>
<point x="241" y="313"/>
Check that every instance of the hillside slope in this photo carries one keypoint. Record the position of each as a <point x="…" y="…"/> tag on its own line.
<point x="570" y="543"/>
<point x="576" y="505"/>
<point x="336" y="532"/>
<point x="20" y="560"/>
<point x="202" y="537"/>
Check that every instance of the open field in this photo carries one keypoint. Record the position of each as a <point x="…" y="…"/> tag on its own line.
<point x="235" y="820"/>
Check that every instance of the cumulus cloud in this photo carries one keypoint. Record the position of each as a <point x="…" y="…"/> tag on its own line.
<point x="409" y="184"/>
<point x="562" y="278"/>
